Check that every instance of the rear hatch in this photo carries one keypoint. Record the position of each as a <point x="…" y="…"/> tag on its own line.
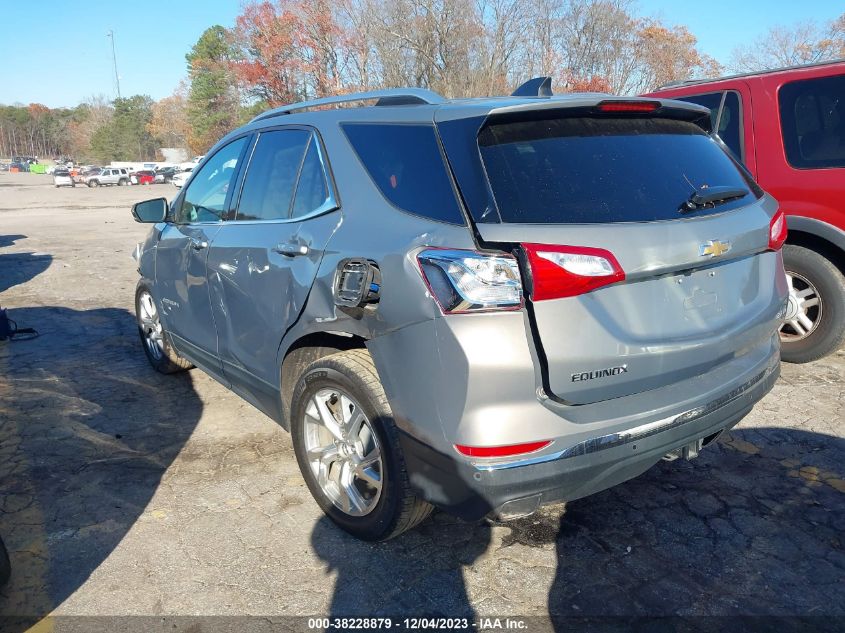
<point x="644" y="248"/>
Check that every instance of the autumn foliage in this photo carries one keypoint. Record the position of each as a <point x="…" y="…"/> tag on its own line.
<point x="281" y="51"/>
<point x="289" y="50"/>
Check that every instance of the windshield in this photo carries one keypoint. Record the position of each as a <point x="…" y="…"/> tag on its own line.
<point x="599" y="170"/>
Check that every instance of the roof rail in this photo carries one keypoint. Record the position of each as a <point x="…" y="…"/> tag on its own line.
<point x="389" y="96"/>
<point x="767" y="71"/>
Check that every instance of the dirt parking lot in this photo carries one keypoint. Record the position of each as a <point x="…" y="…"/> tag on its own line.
<point x="125" y="492"/>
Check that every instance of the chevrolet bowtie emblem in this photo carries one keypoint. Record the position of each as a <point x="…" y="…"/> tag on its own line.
<point x="713" y="248"/>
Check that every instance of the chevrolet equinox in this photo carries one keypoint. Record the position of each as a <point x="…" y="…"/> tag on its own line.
<point x="483" y="305"/>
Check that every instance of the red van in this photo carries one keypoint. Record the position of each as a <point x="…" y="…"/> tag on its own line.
<point x="788" y="127"/>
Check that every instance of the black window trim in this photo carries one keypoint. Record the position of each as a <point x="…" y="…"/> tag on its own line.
<point x="451" y="177"/>
<point x="332" y="202"/>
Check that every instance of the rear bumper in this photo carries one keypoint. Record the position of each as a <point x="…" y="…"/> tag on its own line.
<point x="571" y="471"/>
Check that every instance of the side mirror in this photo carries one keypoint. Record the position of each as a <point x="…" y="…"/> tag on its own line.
<point x="150" y="211"/>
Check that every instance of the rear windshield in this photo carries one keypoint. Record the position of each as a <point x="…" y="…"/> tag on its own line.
<point x="591" y="170"/>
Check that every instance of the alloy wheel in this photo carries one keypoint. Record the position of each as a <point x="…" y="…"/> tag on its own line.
<point x="150" y="325"/>
<point x="343" y="451"/>
<point x="804" y="309"/>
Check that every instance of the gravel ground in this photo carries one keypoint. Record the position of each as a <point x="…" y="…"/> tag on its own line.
<point x="127" y="493"/>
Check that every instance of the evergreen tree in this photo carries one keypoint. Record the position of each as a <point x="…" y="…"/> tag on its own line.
<point x="213" y="102"/>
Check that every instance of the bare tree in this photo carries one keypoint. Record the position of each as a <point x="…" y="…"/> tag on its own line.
<point x="802" y="43"/>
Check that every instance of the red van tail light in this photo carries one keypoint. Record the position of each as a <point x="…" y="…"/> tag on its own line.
<point x="568" y="271"/>
<point x="501" y="451"/>
<point x="777" y="230"/>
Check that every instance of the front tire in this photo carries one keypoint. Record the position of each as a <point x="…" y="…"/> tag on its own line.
<point x="154" y="339"/>
<point x="816" y="303"/>
<point x="347" y="446"/>
<point x="93" y="183"/>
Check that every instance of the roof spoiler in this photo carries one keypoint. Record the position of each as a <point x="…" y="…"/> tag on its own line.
<point x="536" y="87"/>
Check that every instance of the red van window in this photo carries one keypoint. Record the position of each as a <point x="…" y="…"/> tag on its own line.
<point x="812" y="115"/>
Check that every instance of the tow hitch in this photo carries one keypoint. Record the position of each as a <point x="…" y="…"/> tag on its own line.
<point x="688" y="452"/>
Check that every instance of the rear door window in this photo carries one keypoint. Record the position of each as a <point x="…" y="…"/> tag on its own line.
<point x="725" y="116"/>
<point x="271" y="176"/>
<point x="728" y="125"/>
<point x="812" y="115"/>
<point x="311" y="190"/>
<point x="598" y="170"/>
<point x="710" y="100"/>
<point x="405" y="163"/>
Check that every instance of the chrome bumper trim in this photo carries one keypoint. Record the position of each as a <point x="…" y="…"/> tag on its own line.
<point x="611" y="440"/>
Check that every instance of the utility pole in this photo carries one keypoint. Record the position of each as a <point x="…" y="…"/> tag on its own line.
<point x="110" y="35"/>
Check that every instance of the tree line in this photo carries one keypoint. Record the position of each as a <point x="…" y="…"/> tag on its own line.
<point x="289" y="50"/>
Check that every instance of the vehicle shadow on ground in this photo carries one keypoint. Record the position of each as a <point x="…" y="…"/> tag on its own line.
<point x="18" y="268"/>
<point x="752" y="527"/>
<point x="87" y="429"/>
<point x="418" y="574"/>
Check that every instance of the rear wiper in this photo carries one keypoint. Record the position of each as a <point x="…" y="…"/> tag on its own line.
<point x="712" y="195"/>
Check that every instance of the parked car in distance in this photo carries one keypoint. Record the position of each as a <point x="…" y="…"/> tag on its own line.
<point x="165" y="175"/>
<point x="426" y="362"/>
<point x="144" y="177"/>
<point x="62" y="178"/>
<point x="180" y="178"/>
<point x="107" y="176"/>
<point x="787" y="126"/>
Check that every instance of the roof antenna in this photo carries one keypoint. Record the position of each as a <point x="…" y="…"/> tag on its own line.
<point x="537" y="87"/>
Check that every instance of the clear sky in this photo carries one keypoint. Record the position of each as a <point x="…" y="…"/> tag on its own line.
<point x="57" y="53"/>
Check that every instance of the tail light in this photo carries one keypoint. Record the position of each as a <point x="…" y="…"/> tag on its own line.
<point x="777" y="230"/>
<point x="568" y="271"/>
<point x="501" y="451"/>
<point x="469" y="281"/>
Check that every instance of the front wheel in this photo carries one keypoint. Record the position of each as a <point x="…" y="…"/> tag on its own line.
<point x="156" y="343"/>
<point x="93" y="183"/>
<point x="815" y="319"/>
<point x="348" y="449"/>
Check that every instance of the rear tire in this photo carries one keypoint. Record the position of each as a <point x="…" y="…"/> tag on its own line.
<point x="381" y="514"/>
<point x="122" y="182"/>
<point x="154" y="338"/>
<point x="814" y="274"/>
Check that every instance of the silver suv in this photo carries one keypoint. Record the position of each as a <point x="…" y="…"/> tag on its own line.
<point x="483" y="305"/>
<point x="108" y="176"/>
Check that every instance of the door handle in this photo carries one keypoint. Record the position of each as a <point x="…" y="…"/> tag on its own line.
<point x="291" y="249"/>
<point x="198" y="244"/>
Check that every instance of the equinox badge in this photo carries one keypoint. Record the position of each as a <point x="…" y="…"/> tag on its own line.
<point x="713" y="248"/>
<point x="600" y="373"/>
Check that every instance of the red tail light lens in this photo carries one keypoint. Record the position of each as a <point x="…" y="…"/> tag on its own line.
<point x="568" y="271"/>
<point x="628" y="106"/>
<point x="501" y="451"/>
<point x="777" y="231"/>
